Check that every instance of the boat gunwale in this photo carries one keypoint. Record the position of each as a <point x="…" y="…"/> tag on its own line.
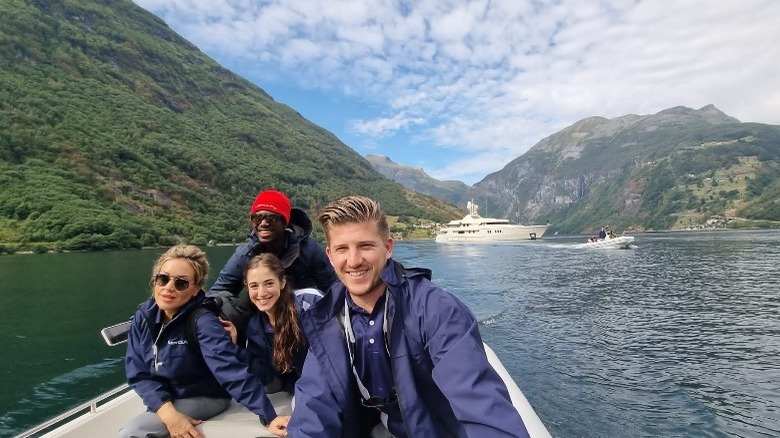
<point x="77" y="411"/>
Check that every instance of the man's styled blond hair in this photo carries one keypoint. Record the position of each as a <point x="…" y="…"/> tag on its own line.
<point x="354" y="209"/>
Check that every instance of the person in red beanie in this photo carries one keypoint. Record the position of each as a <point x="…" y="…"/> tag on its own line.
<point x="285" y="232"/>
<point x="270" y="213"/>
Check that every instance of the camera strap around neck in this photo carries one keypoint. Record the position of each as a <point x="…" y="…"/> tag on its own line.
<point x="350" y="338"/>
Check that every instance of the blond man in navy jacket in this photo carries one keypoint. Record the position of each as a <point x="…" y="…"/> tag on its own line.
<point x="386" y="345"/>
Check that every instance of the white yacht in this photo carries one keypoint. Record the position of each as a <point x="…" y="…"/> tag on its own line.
<point x="475" y="228"/>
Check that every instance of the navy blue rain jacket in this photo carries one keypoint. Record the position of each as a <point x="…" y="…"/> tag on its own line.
<point x="179" y="371"/>
<point x="259" y="349"/>
<point x="446" y="387"/>
<point x="303" y="259"/>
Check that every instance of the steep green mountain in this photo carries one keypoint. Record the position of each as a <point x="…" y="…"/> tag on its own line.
<point x="115" y="132"/>
<point x="416" y="179"/>
<point x="679" y="168"/>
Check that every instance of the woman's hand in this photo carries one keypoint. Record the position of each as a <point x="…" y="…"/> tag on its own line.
<point x="278" y="427"/>
<point x="231" y="329"/>
<point x="178" y="424"/>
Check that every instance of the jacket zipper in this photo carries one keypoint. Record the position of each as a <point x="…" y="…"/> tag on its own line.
<point x="155" y="349"/>
<point x="392" y="367"/>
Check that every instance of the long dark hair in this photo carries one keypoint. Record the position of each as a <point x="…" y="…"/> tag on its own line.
<point x="288" y="336"/>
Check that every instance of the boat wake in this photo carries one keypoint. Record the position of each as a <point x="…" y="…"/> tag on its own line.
<point x="58" y="393"/>
<point x="491" y="320"/>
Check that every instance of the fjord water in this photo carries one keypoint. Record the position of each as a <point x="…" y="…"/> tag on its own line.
<point x="679" y="336"/>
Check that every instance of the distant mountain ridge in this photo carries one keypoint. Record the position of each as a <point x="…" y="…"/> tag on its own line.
<point x="416" y="179"/>
<point x="678" y="168"/>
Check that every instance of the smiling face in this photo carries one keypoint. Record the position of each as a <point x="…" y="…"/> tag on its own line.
<point x="167" y="297"/>
<point x="359" y="253"/>
<point x="269" y="226"/>
<point x="264" y="288"/>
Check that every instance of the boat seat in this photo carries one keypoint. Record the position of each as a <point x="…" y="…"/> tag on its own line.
<point x="235" y="422"/>
<point x="238" y="422"/>
<point x="105" y="419"/>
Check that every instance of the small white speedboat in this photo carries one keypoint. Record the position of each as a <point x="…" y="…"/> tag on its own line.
<point x="619" y="242"/>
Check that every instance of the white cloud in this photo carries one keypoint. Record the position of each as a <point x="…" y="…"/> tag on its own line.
<point x="493" y="78"/>
<point x="471" y="169"/>
<point x="381" y="127"/>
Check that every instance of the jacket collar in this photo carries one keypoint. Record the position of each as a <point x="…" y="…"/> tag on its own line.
<point x="153" y="314"/>
<point x="332" y="303"/>
<point x="396" y="274"/>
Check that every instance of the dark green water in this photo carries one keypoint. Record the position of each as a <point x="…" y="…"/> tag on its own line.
<point x="677" y="337"/>
<point x="53" y="307"/>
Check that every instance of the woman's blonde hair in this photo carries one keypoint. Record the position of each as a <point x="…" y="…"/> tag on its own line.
<point x="192" y="254"/>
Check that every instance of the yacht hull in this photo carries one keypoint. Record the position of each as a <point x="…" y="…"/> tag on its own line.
<point x="491" y="233"/>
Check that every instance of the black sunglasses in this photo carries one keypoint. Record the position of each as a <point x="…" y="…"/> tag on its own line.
<point x="179" y="283"/>
<point x="270" y="218"/>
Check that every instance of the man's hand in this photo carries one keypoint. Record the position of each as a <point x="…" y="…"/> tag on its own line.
<point x="178" y="424"/>
<point x="278" y="427"/>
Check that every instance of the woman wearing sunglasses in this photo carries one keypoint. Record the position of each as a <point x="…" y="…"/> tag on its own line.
<point x="182" y="384"/>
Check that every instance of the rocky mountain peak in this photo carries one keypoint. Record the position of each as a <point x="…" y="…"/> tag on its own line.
<point x="375" y="158"/>
<point x="417" y="179"/>
<point x="671" y="169"/>
<point x="568" y="143"/>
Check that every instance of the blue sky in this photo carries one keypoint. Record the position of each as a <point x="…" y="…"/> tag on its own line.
<point x="461" y="88"/>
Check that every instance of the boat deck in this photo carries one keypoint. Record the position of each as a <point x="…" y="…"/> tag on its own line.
<point x="235" y="422"/>
<point x="105" y="418"/>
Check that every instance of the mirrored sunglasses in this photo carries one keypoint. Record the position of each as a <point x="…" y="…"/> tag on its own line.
<point x="179" y="283"/>
<point x="270" y="218"/>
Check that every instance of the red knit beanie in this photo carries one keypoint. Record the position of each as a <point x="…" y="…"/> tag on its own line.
<point x="273" y="201"/>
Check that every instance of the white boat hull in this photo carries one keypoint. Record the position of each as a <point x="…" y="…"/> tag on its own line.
<point x="621" y="242"/>
<point x="475" y="228"/>
<point x="491" y="233"/>
<point x="236" y="422"/>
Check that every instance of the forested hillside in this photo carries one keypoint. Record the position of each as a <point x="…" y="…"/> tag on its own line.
<point x="115" y="132"/>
